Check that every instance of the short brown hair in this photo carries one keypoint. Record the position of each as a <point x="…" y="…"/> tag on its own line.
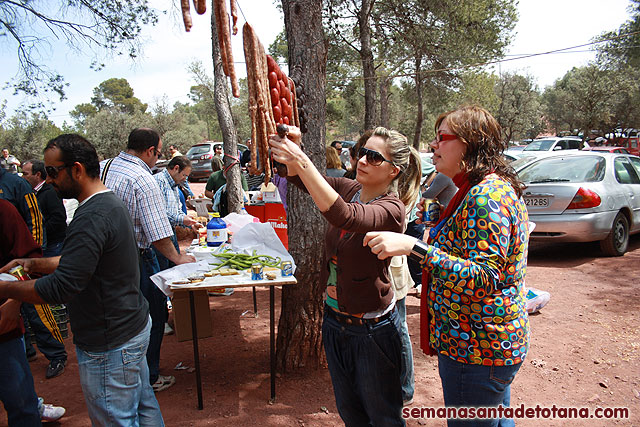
<point x="481" y="133"/>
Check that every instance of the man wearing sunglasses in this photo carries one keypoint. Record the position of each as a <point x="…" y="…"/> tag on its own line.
<point x="129" y="176"/>
<point x="97" y="277"/>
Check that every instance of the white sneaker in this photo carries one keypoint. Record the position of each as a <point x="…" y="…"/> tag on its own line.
<point x="51" y="413"/>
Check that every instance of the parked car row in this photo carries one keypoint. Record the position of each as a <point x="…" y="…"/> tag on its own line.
<point x="583" y="196"/>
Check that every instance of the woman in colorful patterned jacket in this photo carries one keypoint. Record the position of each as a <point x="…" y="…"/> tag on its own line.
<point x="473" y="315"/>
<point x="361" y="325"/>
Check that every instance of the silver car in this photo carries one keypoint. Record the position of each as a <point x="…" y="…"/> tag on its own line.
<point x="554" y="143"/>
<point x="584" y="197"/>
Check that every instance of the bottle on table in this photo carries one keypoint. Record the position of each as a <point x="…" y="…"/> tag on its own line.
<point x="216" y="231"/>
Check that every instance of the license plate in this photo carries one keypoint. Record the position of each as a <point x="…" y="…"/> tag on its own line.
<point x="194" y="162"/>
<point x="542" y="202"/>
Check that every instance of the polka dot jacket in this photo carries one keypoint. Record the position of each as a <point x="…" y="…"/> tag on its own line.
<point x="477" y="263"/>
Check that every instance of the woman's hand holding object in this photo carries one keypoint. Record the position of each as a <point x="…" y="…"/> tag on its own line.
<point x="386" y="244"/>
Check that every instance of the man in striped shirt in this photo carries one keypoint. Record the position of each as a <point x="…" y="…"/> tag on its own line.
<point x="129" y="176"/>
<point x="176" y="172"/>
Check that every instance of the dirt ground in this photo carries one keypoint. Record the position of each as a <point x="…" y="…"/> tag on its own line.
<point x="584" y="354"/>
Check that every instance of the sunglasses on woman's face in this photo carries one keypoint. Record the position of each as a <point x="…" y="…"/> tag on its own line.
<point x="445" y="137"/>
<point x="374" y="158"/>
<point x="53" y="171"/>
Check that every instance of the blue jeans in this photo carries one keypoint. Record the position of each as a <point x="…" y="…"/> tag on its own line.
<point x="476" y="386"/>
<point x="157" y="309"/>
<point x="406" y="372"/>
<point x="364" y="363"/>
<point x="116" y="387"/>
<point x="16" y="385"/>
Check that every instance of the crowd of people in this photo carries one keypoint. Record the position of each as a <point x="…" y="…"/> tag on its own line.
<point x="471" y="263"/>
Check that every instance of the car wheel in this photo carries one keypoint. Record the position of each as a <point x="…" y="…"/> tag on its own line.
<point x="617" y="241"/>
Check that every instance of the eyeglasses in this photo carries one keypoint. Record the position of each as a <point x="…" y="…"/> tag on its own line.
<point x="53" y="171"/>
<point x="158" y="153"/>
<point x="445" y="137"/>
<point x="374" y="158"/>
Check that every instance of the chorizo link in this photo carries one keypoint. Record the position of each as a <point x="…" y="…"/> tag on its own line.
<point x="223" y="52"/>
<point x="226" y="35"/>
<point x="234" y="15"/>
<point x="186" y="14"/>
<point x="253" y="164"/>
<point x="264" y="146"/>
<point x="201" y="6"/>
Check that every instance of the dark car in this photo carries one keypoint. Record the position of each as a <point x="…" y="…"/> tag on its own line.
<point x="201" y="155"/>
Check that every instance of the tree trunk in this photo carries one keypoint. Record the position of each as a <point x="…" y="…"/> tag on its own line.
<point x="299" y="330"/>
<point x="385" y="83"/>
<point x="225" y="119"/>
<point x="419" y="114"/>
<point x="368" y="68"/>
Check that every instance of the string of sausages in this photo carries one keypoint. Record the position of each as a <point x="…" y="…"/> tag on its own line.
<point x="260" y="109"/>
<point x="273" y="98"/>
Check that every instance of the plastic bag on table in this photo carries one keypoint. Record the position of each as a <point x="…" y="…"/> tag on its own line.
<point x="236" y="221"/>
<point x="263" y="239"/>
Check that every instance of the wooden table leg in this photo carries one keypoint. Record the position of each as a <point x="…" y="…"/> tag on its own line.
<point x="272" y="343"/>
<point x="196" y="353"/>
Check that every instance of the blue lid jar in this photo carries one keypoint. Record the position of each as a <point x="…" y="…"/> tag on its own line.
<point x="216" y="231"/>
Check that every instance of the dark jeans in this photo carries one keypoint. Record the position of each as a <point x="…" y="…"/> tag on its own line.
<point x="46" y="331"/>
<point x="157" y="309"/>
<point x="406" y="375"/>
<point x="415" y="230"/>
<point x="476" y="386"/>
<point x="364" y="363"/>
<point x="163" y="262"/>
<point x="16" y="385"/>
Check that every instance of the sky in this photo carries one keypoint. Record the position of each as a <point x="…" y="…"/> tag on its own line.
<point x="161" y="73"/>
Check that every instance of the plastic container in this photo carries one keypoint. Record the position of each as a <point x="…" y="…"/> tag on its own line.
<point x="216" y="231"/>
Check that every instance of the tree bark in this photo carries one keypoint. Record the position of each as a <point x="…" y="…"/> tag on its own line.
<point x="419" y="114"/>
<point x="385" y="83"/>
<point x="299" y="341"/>
<point x="225" y="119"/>
<point x="368" y="67"/>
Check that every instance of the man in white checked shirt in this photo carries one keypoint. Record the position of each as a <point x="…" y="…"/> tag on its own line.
<point x="129" y="176"/>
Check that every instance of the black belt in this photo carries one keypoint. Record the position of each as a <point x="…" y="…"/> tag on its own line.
<point x="358" y="321"/>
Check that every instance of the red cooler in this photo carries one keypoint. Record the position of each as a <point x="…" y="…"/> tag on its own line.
<point x="274" y="214"/>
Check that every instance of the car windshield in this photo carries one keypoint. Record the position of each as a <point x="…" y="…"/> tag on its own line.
<point x="198" y="149"/>
<point x="564" y="169"/>
<point x="540" y="145"/>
